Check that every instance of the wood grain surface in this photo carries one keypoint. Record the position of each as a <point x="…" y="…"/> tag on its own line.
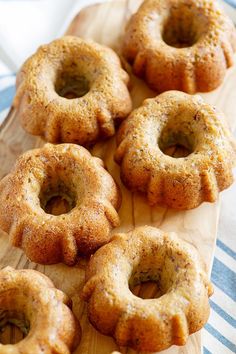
<point x="105" y="23"/>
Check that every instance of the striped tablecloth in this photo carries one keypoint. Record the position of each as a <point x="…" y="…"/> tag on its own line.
<point x="219" y="334"/>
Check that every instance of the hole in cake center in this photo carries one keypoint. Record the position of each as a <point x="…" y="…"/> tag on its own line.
<point x="71" y="86"/>
<point x="183" y="27"/>
<point x="57" y="199"/>
<point x="156" y="271"/>
<point x="59" y="204"/>
<point x="177" y="143"/>
<point x="146" y="281"/>
<point x="13" y="326"/>
<point x="147" y="290"/>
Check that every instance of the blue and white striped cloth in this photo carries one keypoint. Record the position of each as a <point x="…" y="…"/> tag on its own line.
<point x="7" y="91"/>
<point x="219" y="334"/>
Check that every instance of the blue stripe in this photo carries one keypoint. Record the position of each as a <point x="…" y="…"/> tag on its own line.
<point x="221" y="338"/>
<point x="223" y="314"/>
<point x="206" y="351"/>
<point x="224" y="278"/>
<point x="7" y="75"/>
<point x="231" y="2"/>
<point x="226" y="249"/>
<point x="6" y="97"/>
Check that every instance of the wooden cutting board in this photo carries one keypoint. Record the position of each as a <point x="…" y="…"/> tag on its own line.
<point x="105" y="24"/>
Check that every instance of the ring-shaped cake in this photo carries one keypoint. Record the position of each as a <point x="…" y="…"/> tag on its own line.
<point x="147" y="254"/>
<point x="29" y="299"/>
<point x="171" y="120"/>
<point x="72" y="90"/>
<point x="58" y="202"/>
<point x="182" y="45"/>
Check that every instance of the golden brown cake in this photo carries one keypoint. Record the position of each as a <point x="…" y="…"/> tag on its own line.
<point x="58" y="202"/>
<point x="182" y="45"/>
<point x="145" y="254"/>
<point x="29" y="299"/>
<point x="72" y="90"/>
<point x="151" y="133"/>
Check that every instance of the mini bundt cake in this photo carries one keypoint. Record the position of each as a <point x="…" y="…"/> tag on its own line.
<point x="72" y="90"/>
<point x="145" y="254"/>
<point x="30" y="300"/>
<point x="58" y="202"/>
<point x="182" y="45"/>
<point x="149" y="135"/>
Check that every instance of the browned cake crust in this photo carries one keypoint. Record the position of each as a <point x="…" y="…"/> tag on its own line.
<point x="170" y="119"/>
<point x="144" y="254"/>
<point x="182" y="45"/>
<point x="27" y="195"/>
<point x="72" y="90"/>
<point x="42" y="312"/>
